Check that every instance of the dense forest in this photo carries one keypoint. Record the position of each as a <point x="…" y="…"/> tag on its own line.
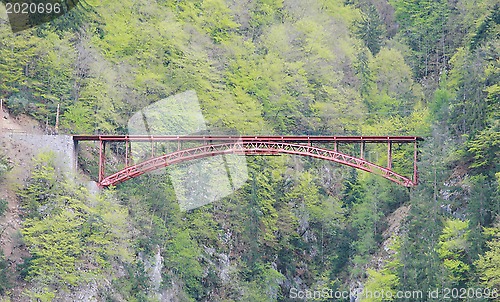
<point x="428" y="68"/>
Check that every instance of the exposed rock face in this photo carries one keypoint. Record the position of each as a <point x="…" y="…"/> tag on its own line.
<point x="153" y="267"/>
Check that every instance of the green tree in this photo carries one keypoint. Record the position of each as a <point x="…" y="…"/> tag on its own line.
<point x="364" y="219"/>
<point x="183" y="258"/>
<point x="72" y="236"/>
<point x="39" y="194"/>
<point x="489" y="262"/>
<point x="453" y="247"/>
<point x="5" y="283"/>
<point x="370" y="28"/>
<point x="486" y="28"/>
<point x="5" y="166"/>
<point x="55" y="246"/>
<point x="423" y="29"/>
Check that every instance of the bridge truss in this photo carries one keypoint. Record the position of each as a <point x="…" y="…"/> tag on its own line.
<point x="251" y="145"/>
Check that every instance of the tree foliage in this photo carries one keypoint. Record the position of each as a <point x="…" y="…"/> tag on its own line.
<point x="72" y="237"/>
<point x="488" y="263"/>
<point x="329" y="67"/>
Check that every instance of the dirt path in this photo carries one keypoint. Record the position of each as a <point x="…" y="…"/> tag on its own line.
<point x="21" y="124"/>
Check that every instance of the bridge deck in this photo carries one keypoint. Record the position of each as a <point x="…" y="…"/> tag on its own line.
<point x="248" y="138"/>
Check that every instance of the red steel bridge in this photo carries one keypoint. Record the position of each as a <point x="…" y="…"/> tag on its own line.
<point x="322" y="147"/>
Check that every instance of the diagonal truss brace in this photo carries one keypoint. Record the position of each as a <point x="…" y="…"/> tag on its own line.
<point x="253" y="148"/>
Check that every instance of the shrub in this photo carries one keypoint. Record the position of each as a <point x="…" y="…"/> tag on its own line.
<point x="3" y="206"/>
<point x="4" y="280"/>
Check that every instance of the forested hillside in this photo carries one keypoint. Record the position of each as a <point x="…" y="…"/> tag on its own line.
<point x="428" y="68"/>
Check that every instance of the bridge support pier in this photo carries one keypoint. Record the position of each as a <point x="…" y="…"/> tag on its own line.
<point x="75" y="154"/>
<point x="389" y="155"/>
<point x="415" y="157"/>
<point x="102" y="159"/>
<point x="126" y="153"/>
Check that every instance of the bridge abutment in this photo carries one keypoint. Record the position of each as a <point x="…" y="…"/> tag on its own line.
<point x="22" y="148"/>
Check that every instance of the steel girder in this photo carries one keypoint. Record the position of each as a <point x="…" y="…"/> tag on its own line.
<point x="253" y="148"/>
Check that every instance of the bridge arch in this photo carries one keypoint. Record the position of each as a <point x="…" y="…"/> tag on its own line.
<point x="253" y="148"/>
